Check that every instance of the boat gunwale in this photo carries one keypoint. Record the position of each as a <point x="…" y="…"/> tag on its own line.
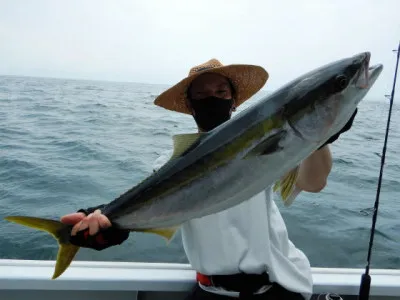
<point x="168" y="277"/>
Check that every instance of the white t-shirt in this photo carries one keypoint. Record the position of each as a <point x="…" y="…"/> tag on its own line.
<point x="250" y="237"/>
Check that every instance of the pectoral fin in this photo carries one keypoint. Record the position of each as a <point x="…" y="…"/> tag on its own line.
<point x="286" y="185"/>
<point x="268" y="146"/>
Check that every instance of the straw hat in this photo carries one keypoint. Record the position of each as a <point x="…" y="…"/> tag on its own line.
<point x="246" y="80"/>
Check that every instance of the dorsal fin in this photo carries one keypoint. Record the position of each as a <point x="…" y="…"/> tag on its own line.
<point x="183" y="142"/>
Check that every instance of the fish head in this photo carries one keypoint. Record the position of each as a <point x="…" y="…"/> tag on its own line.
<point x="321" y="102"/>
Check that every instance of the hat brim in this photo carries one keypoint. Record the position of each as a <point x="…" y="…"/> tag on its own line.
<point x="246" y="80"/>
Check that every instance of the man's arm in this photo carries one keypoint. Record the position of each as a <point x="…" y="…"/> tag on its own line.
<point x="314" y="171"/>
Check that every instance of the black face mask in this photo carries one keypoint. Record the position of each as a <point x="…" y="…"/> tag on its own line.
<point x="211" y="112"/>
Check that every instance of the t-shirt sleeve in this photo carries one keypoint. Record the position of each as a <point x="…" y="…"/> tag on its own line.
<point x="162" y="159"/>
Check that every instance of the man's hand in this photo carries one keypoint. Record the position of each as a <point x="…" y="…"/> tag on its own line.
<point x="94" y="231"/>
<point x="93" y="221"/>
<point x="315" y="169"/>
<point x="343" y="130"/>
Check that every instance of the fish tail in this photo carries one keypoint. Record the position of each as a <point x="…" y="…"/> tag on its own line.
<point x="60" y="231"/>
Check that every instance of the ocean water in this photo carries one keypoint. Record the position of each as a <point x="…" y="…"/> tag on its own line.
<point x="70" y="144"/>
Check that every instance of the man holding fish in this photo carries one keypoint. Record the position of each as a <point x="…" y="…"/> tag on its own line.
<point x="243" y="251"/>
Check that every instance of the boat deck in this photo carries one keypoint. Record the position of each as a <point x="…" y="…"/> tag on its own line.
<point x="30" y="279"/>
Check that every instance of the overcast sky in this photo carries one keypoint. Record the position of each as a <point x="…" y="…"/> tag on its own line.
<point x="158" y="41"/>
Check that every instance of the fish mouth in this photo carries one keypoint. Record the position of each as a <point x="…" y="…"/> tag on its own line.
<point x="374" y="72"/>
<point x="362" y="78"/>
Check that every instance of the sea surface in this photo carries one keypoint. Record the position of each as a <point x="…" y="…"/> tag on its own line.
<point x="71" y="144"/>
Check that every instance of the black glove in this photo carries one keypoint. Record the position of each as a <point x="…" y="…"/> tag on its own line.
<point x="344" y="129"/>
<point x="103" y="239"/>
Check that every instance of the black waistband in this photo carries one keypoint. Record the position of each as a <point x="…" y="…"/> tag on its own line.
<point x="241" y="282"/>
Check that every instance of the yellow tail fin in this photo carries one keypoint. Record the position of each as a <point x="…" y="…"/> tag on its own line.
<point x="60" y="232"/>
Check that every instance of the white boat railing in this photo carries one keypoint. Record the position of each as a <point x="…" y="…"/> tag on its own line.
<point x="129" y="276"/>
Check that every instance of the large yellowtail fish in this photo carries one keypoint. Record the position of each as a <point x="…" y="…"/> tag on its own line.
<point x="261" y="146"/>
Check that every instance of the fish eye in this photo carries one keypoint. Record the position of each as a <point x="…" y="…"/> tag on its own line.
<point x="341" y="82"/>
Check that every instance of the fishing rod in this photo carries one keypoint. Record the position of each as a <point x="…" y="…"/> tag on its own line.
<point x="366" y="278"/>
